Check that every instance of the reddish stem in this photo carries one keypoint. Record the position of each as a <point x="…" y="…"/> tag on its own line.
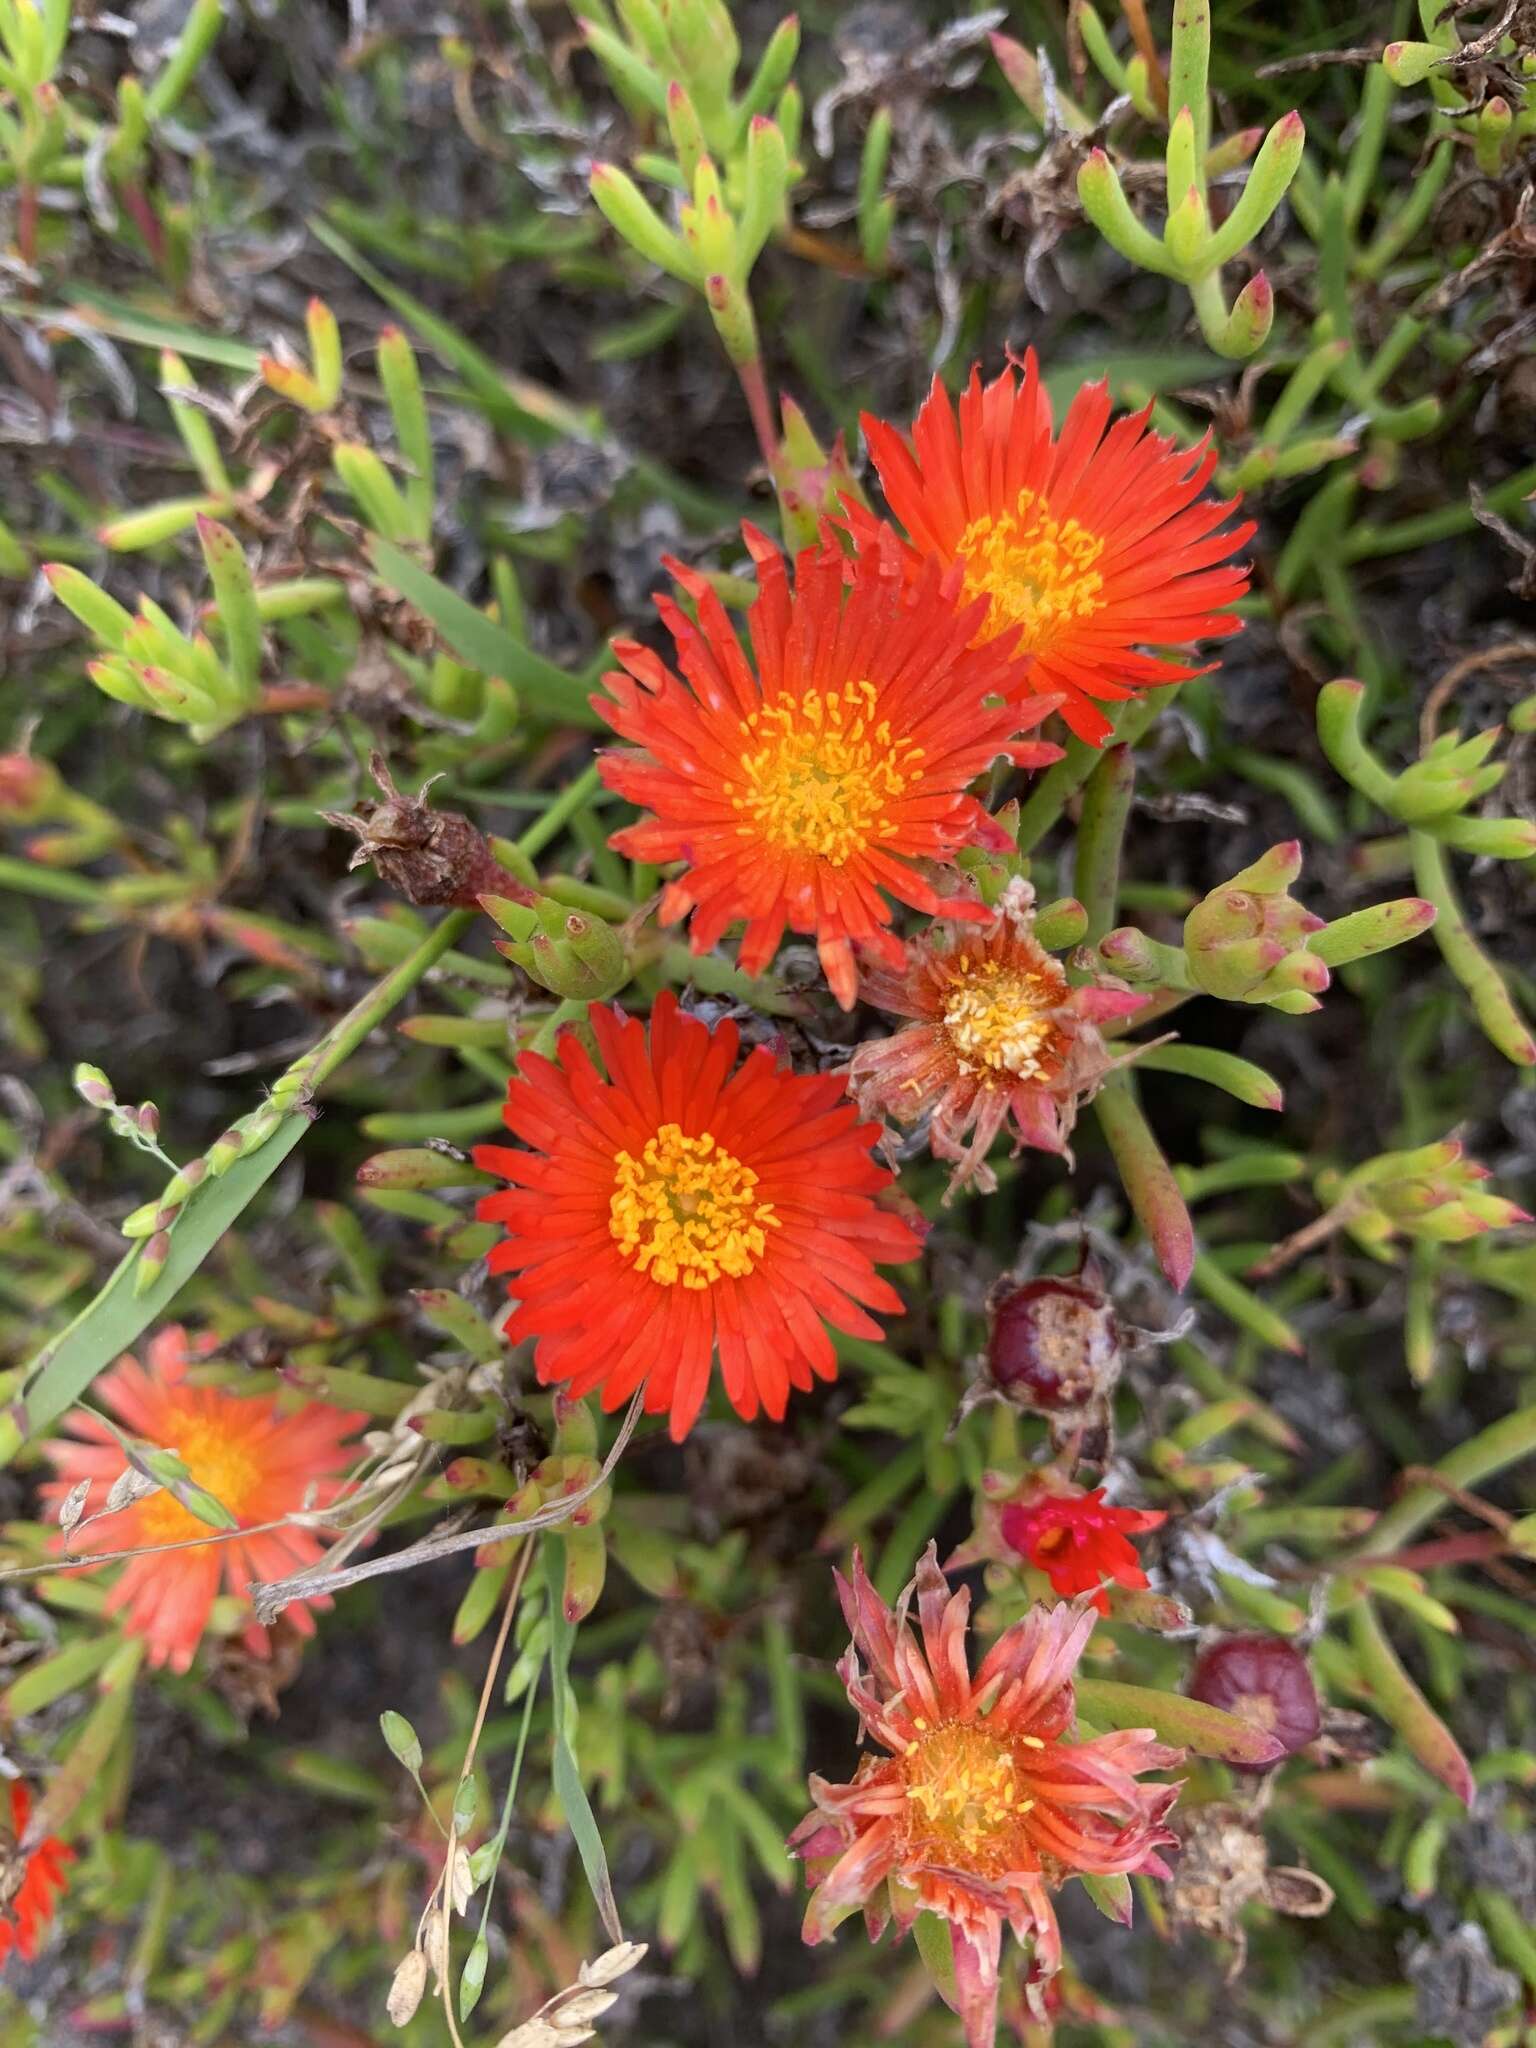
<point x="147" y="221"/>
<point x="26" y="224"/>
<point x="755" y="386"/>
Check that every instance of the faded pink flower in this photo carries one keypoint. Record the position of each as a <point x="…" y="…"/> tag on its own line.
<point x="998" y="1033"/>
<point x="981" y="1807"/>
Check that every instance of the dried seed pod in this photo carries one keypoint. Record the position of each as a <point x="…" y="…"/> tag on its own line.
<point x="1054" y="1346"/>
<point x="1265" y="1680"/>
<point x="429" y="857"/>
<point x="1223" y="1867"/>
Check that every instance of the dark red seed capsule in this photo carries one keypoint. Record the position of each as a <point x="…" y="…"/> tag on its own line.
<point x="1263" y="1679"/>
<point x="1053" y="1346"/>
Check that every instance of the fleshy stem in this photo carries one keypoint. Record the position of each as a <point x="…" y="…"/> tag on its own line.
<point x="1478" y="974"/>
<point x="1060" y="784"/>
<point x="754" y="386"/>
<point x="1144" y="1172"/>
<point x="1505" y="1443"/>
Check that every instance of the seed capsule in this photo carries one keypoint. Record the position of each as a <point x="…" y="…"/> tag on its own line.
<point x="1263" y="1679"/>
<point x="1054" y="1345"/>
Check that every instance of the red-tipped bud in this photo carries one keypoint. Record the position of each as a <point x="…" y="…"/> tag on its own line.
<point x="1262" y="1679"/>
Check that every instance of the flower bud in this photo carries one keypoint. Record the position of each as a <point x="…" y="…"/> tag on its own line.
<point x="1239" y="936"/>
<point x="151" y="1262"/>
<point x="579" y="958"/>
<point x="812" y="485"/>
<point x="92" y="1086"/>
<point x="1262" y="1679"/>
<point x="223" y="1152"/>
<point x="1053" y="1345"/>
<point x="30" y="789"/>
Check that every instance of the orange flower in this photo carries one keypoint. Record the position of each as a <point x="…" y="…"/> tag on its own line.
<point x="32" y="1881"/>
<point x="981" y="1808"/>
<point x="678" y="1208"/>
<point x="803" y="793"/>
<point x="1087" y="545"/>
<point x="1073" y="1537"/>
<point x="258" y="1461"/>
<point x="998" y="1034"/>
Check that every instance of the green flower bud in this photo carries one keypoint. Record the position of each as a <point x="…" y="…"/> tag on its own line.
<point x="1240" y="935"/>
<point x="92" y="1086"/>
<point x="151" y="1262"/>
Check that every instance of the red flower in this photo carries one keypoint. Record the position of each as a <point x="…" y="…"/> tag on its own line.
<point x="1088" y="545"/>
<point x="30" y="1881"/>
<point x="255" y="1456"/>
<point x="804" y="792"/>
<point x="998" y="1035"/>
<point x="678" y="1209"/>
<point x="1078" y="1542"/>
<point x="982" y="1807"/>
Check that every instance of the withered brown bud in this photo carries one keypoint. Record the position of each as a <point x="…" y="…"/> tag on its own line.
<point x="1053" y="1346"/>
<point x="429" y="857"/>
<point x="1223" y="1866"/>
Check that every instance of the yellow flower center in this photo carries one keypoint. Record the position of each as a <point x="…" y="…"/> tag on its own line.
<point x="821" y="773"/>
<point x="221" y="1461"/>
<point x="1038" y="571"/>
<point x="1001" y="1019"/>
<point x="965" y="1793"/>
<point x="686" y="1211"/>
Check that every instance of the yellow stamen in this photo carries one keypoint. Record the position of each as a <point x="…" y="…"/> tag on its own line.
<point x="1038" y="571"/>
<point x="965" y="1787"/>
<point x="1000" y="1018"/>
<point x="685" y="1211"/>
<point x="822" y="772"/>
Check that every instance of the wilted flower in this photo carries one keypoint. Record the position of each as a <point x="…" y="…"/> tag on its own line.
<point x="1086" y="546"/>
<point x="1068" y="1533"/>
<point x="256" y="1460"/>
<point x="981" y="1807"/>
<point x="1223" y="1867"/>
<point x="30" y="1880"/>
<point x="998" y="1034"/>
<point x="803" y="792"/>
<point x="678" y="1208"/>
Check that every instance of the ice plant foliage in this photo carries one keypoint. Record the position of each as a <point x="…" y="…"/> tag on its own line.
<point x="30" y="1880"/>
<point x="997" y="1036"/>
<point x="981" y="1806"/>
<point x="1086" y="546"/>
<point x="684" y="1207"/>
<point x="804" y="788"/>
<point x="257" y="1458"/>
<point x="1077" y="1540"/>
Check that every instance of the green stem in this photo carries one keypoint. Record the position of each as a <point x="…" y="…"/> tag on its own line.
<point x="1473" y="968"/>
<point x="549" y="824"/>
<point x="1060" y="784"/>
<point x="1469" y="1465"/>
<point x="1364" y="542"/>
<point x="1100" y="834"/>
<point x="344" y="1037"/>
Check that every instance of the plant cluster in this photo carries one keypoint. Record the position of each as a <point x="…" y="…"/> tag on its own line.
<point x="765" y="950"/>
